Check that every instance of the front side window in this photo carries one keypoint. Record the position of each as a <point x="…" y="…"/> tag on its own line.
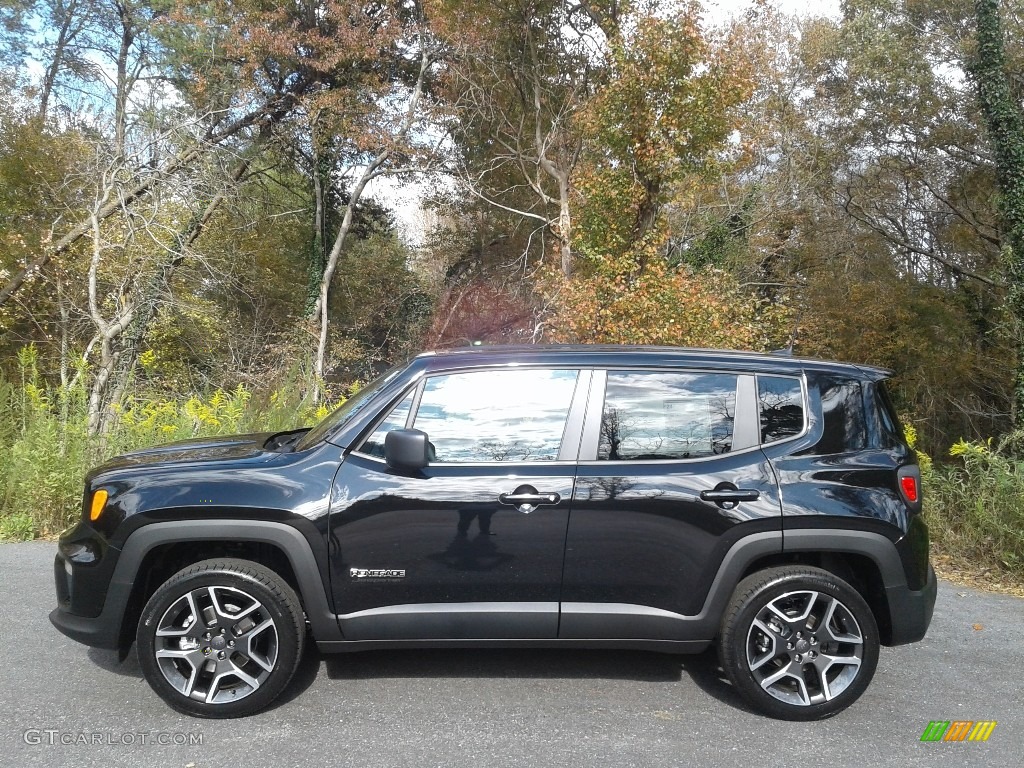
<point x="374" y="444"/>
<point x="502" y="415"/>
<point x="653" y="415"/>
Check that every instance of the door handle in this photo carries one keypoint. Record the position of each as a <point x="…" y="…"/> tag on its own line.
<point x="738" y="495"/>
<point x="526" y="499"/>
<point x="728" y="498"/>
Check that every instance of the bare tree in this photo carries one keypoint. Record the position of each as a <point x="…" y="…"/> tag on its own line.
<point x="520" y="94"/>
<point x="391" y="150"/>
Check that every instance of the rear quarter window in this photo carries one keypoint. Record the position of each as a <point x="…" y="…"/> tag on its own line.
<point x="780" y="401"/>
<point x="842" y="410"/>
<point x="891" y="429"/>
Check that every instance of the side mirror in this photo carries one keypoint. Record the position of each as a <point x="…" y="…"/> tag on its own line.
<point x="406" y="449"/>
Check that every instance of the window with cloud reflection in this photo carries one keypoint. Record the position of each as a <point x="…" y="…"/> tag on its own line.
<point x="654" y="415"/>
<point x="502" y="415"/>
<point x="374" y="444"/>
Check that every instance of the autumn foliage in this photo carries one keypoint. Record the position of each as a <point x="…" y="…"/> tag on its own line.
<point x="479" y="312"/>
<point x="662" y="306"/>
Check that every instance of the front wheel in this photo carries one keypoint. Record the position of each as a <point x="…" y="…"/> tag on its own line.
<point x="798" y="643"/>
<point x="221" y="638"/>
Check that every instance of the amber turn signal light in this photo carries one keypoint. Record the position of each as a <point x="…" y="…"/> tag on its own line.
<point x="99" y="500"/>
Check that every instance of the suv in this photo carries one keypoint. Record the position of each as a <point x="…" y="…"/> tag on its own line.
<point x="626" y="497"/>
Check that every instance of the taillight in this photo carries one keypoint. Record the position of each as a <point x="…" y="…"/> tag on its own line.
<point x="909" y="485"/>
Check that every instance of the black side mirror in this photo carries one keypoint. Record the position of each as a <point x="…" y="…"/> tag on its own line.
<point x="406" y="449"/>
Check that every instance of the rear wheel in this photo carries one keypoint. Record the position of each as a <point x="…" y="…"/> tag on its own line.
<point x="798" y="643"/>
<point x="221" y="638"/>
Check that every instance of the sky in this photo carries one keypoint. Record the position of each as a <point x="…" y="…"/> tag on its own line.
<point x="800" y="7"/>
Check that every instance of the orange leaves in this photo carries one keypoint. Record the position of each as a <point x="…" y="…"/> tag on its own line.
<point x="665" y="111"/>
<point x="618" y="305"/>
<point x="258" y="49"/>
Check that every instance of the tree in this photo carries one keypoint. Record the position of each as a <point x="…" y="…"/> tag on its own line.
<point x="386" y="139"/>
<point x="668" y="106"/>
<point x="519" y="76"/>
<point x="1005" y="122"/>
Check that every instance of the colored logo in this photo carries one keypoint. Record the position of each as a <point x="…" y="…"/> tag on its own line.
<point x="958" y="730"/>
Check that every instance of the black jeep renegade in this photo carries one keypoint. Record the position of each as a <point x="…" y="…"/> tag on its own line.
<point x="649" y="498"/>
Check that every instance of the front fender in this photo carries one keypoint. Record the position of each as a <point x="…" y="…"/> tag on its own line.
<point x="105" y="630"/>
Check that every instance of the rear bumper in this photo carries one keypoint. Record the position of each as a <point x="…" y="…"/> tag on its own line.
<point x="911" y="611"/>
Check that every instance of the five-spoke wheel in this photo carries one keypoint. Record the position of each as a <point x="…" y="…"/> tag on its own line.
<point x="221" y="638"/>
<point x="798" y="643"/>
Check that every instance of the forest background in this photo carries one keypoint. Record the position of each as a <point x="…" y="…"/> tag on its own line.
<point x="197" y="234"/>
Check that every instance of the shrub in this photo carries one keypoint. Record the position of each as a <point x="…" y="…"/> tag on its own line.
<point x="975" y="505"/>
<point x="49" y="450"/>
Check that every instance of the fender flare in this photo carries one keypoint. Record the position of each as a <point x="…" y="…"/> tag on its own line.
<point x="288" y="539"/>
<point x="875" y="546"/>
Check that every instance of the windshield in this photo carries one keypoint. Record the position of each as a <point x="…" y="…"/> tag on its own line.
<point x="346" y="410"/>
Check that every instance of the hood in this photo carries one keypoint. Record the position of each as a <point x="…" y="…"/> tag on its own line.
<point x="198" y="450"/>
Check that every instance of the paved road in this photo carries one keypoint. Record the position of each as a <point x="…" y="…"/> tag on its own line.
<point x="496" y="708"/>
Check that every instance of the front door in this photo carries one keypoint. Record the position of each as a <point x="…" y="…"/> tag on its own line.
<point x="471" y="546"/>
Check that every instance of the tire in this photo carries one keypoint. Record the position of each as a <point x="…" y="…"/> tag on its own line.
<point x="221" y="638"/>
<point x="798" y="643"/>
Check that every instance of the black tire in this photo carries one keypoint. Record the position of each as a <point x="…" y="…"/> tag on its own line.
<point x="229" y="634"/>
<point x="798" y="643"/>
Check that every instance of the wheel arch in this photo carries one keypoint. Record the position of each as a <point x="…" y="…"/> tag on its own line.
<point x="156" y="551"/>
<point x="867" y="561"/>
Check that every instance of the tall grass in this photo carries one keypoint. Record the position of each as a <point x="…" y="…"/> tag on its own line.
<point x="974" y="505"/>
<point x="46" y="449"/>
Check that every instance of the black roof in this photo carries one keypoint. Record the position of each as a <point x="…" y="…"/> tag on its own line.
<point x="617" y="356"/>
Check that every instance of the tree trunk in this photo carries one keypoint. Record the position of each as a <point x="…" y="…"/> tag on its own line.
<point x="318" y="254"/>
<point x="1005" y="125"/>
<point x="332" y="266"/>
<point x="369" y="173"/>
<point x="124" y="82"/>
<point x="565" y="223"/>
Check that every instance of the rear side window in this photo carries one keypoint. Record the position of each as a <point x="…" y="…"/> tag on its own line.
<point x="842" y="407"/>
<point x="780" y="402"/>
<point x="502" y="415"/>
<point x="651" y="415"/>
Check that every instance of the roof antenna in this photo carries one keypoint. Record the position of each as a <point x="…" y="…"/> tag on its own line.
<point x="787" y="351"/>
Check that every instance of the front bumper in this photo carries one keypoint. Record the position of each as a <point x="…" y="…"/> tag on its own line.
<point x="96" y="632"/>
<point x="911" y="611"/>
<point x="90" y="604"/>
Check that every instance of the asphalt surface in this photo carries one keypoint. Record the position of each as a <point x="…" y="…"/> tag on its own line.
<point x="510" y="707"/>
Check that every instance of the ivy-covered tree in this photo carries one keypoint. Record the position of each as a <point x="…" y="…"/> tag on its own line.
<point x="1003" y="115"/>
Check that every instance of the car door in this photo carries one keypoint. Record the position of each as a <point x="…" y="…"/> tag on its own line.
<point x="472" y="545"/>
<point x="670" y="476"/>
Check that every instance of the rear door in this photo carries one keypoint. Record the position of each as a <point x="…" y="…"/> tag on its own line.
<point x="670" y="476"/>
<point x="471" y="546"/>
